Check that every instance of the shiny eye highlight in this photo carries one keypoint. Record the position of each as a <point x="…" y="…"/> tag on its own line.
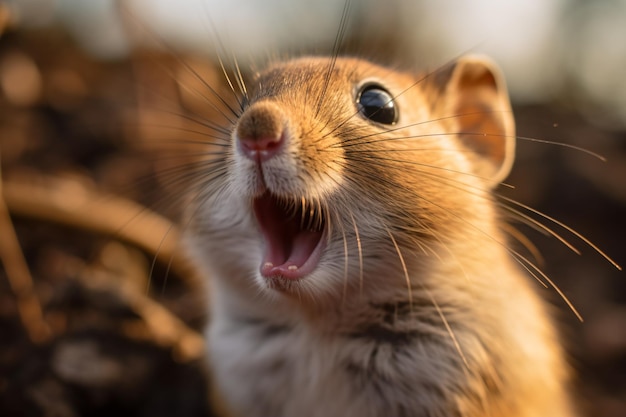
<point x="376" y="103"/>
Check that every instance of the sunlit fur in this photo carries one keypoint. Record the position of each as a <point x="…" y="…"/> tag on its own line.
<point x="418" y="307"/>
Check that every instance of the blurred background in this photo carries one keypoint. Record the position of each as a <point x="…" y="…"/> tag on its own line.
<point x="100" y="314"/>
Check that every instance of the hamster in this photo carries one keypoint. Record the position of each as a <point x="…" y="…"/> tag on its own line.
<point x="355" y="255"/>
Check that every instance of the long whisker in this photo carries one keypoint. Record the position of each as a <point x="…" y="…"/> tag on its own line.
<point x="240" y="81"/>
<point x="203" y="82"/>
<point x="566" y="227"/>
<point x="222" y="50"/>
<point x="345" y="264"/>
<point x="359" y="139"/>
<point x="552" y="284"/>
<point x="446" y="180"/>
<point x="478" y="134"/>
<point x="201" y="122"/>
<point x="153" y="264"/>
<point x="360" y="252"/>
<point x="541" y="226"/>
<point x="187" y="130"/>
<point x="206" y="99"/>
<point x="343" y="24"/>
<point x="229" y="81"/>
<point x="524" y="241"/>
<point x="379" y="159"/>
<point x="178" y="58"/>
<point x="403" y="127"/>
<point x="404" y="268"/>
<point x="515" y="254"/>
<point x="425" y="77"/>
<point x="445" y="322"/>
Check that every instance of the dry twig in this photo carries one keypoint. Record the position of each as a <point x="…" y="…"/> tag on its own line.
<point x="19" y="277"/>
<point x="126" y="280"/>
<point x="71" y="203"/>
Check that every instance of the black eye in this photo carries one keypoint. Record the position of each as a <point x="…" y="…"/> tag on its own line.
<point x="376" y="104"/>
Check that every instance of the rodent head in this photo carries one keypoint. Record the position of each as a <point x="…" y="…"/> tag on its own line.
<point x="336" y="168"/>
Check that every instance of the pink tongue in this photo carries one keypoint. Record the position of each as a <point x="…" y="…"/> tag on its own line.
<point x="290" y="252"/>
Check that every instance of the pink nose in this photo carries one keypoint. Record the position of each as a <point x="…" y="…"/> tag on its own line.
<point x="260" y="148"/>
<point x="261" y="131"/>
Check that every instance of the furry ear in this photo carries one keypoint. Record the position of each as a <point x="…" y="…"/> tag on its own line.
<point x="477" y="96"/>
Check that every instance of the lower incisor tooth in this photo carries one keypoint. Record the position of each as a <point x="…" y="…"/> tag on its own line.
<point x="268" y="264"/>
<point x="292" y="267"/>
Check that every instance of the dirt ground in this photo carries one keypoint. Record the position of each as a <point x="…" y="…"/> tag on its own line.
<point x="100" y="315"/>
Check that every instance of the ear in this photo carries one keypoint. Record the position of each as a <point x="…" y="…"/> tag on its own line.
<point x="476" y="94"/>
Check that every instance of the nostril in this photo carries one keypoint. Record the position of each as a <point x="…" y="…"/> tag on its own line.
<point x="260" y="143"/>
<point x="262" y="148"/>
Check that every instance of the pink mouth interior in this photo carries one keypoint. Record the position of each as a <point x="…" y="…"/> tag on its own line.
<point x="292" y="250"/>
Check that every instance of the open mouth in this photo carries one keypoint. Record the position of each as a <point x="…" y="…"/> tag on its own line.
<point x="293" y="237"/>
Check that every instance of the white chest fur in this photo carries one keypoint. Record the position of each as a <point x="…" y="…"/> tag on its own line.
<point x="267" y="369"/>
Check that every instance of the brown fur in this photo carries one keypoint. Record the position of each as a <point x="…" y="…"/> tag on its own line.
<point x="417" y="306"/>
